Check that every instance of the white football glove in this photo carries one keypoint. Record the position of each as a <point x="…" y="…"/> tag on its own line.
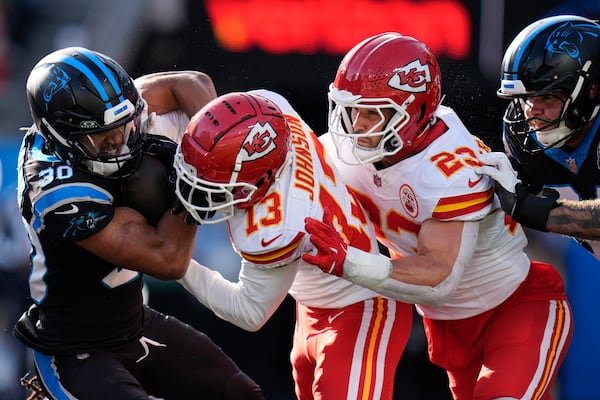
<point x="515" y="199"/>
<point x="498" y="167"/>
<point x="147" y="121"/>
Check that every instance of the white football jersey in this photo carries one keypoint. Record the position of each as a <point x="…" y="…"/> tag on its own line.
<point x="271" y="234"/>
<point x="439" y="182"/>
<point x="171" y="124"/>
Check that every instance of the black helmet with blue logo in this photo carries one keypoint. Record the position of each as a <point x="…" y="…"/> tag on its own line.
<point x="551" y="55"/>
<point x="75" y="93"/>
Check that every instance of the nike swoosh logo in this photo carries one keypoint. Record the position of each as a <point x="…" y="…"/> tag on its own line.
<point x="330" y="318"/>
<point x="265" y="243"/>
<point x="73" y="210"/>
<point x="473" y="183"/>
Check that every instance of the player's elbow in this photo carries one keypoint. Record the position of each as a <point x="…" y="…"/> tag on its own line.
<point x="170" y="269"/>
<point x="251" y="319"/>
<point x="173" y="274"/>
<point x="206" y="82"/>
<point x="441" y="293"/>
<point x="437" y="298"/>
<point x="252" y="325"/>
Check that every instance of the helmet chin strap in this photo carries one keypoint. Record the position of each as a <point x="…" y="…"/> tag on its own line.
<point x="367" y="155"/>
<point x="389" y="144"/>
<point x="106" y="168"/>
<point x="554" y="137"/>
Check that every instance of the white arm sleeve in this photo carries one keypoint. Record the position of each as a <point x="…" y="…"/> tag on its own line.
<point x="365" y="263"/>
<point x="171" y="125"/>
<point x="248" y="303"/>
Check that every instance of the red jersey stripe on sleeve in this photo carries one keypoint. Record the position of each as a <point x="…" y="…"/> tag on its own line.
<point x="277" y="255"/>
<point x="456" y="206"/>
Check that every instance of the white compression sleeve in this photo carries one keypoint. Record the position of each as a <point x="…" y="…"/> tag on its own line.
<point x="248" y="303"/>
<point x="373" y="271"/>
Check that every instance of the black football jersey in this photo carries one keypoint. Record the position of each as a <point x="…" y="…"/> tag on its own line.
<point x="85" y="303"/>
<point x="577" y="172"/>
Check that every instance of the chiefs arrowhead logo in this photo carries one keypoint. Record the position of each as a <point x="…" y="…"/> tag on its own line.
<point x="259" y="142"/>
<point x="413" y="77"/>
<point x="408" y="199"/>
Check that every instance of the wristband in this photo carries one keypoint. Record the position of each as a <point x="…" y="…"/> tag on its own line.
<point x="531" y="210"/>
<point x="366" y="269"/>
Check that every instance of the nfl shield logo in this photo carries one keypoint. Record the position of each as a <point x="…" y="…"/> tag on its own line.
<point x="377" y="180"/>
<point x="572" y="165"/>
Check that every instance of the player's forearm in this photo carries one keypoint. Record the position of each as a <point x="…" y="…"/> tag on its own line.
<point x="194" y="92"/>
<point x="420" y="270"/>
<point x="579" y="219"/>
<point x="176" y="90"/>
<point x="219" y="295"/>
<point x="248" y="304"/>
<point x="379" y="274"/>
<point x="430" y="278"/>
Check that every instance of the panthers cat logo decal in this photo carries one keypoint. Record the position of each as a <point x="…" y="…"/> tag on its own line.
<point x="566" y="40"/>
<point x="58" y="81"/>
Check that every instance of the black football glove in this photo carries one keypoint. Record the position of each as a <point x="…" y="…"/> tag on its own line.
<point x="164" y="149"/>
<point x="199" y="199"/>
<point x="527" y="208"/>
<point x="150" y="189"/>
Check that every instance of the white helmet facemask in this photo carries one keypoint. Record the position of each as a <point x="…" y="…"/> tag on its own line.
<point x="346" y="140"/>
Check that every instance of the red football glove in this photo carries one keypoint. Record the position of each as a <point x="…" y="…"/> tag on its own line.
<point x="331" y="248"/>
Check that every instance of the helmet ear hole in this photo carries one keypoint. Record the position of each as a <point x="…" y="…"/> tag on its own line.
<point x="392" y="144"/>
<point x="260" y="182"/>
<point x="421" y="114"/>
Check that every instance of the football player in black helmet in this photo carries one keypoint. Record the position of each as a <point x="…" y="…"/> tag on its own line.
<point x="87" y="109"/>
<point x="91" y="334"/>
<point x="553" y="63"/>
<point x="551" y="75"/>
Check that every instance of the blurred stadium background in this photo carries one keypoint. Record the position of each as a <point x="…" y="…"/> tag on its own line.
<point x="294" y="47"/>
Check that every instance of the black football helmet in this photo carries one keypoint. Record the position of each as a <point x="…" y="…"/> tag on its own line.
<point x="75" y="93"/>
<point x="559" y="54"/>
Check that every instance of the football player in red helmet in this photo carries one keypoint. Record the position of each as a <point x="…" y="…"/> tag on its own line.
<point x="228" y="178"/>
<point x="399" y="101"/>
<point x="250" y="160"/>
<point x="410" y="163"/>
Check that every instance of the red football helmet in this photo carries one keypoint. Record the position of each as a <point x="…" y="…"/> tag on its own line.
<point x="232" y="151"/>
<point x="388" y="70"/>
